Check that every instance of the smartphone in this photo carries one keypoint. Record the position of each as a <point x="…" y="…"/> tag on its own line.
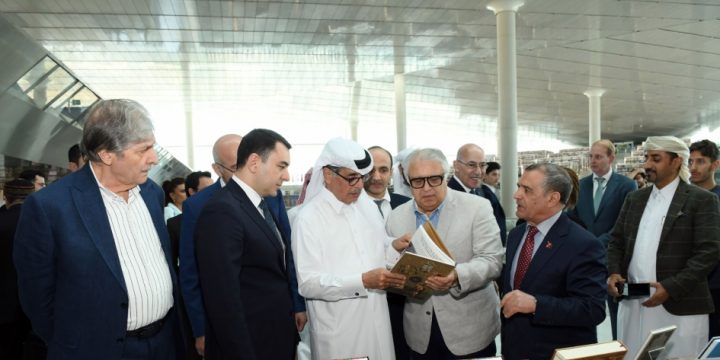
<point x="631" y="291"/>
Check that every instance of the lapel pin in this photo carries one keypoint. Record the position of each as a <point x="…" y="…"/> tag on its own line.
<point x="548" y="245"/>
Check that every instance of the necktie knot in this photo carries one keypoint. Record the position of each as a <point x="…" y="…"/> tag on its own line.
<point x="600" y="180"/>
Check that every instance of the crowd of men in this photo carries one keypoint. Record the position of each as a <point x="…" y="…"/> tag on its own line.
<point x="94" y="272"/>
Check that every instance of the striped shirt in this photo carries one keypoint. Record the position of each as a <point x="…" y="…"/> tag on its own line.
<point x="143" y="263"/>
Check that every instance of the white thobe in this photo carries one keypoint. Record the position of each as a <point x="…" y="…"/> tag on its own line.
<point x="333" y="244"/>
<point x="636" y="321"/>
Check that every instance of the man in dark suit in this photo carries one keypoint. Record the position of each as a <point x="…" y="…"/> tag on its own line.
<point x="600" y="198"/>
<point x="242" y="258"/>
<point x="377" y="189"/>
<point x="14" y="325"/>
<point x="225" y="157"/>
<point x="92" y="251"/>
<point x="667" y="235"/>
<point x="553" y="281"/>
<point x="469" y="169"/>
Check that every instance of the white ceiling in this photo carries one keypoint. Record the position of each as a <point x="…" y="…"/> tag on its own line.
<point x="659" y="61"/>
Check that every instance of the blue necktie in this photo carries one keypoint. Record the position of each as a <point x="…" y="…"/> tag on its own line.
<point x="598" y="193"/>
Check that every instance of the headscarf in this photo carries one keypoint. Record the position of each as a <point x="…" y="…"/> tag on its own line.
<point x="673" y="145"/>
<point x="399" y="185"/>
<point x="338" y="152"/>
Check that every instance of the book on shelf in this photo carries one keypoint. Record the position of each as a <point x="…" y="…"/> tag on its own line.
<point x="612" y="350"/>
<point x="426" y="256"/>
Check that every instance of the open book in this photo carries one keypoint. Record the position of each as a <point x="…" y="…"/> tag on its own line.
<point x="613" y="350"/>
<point x="426" y="256"/>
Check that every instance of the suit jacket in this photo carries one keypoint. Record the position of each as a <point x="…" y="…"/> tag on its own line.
<point x="468" y="315"/>
<point x="71" y="283"/>
<point x="397" y="200"/>
<point x="488" y="194"/>
<point x="174" y="225"/>
<point x="567" y="277"/>
<point x="10" y="310"/>
<point x="189" y="279"/>
<point x="688" y="250"/>
<point x="245" y="285"/>
<point x="612" y="200"/>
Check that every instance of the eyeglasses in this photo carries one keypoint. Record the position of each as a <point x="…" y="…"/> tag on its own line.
<point x="473" y="165"/>
<point x="230" y="169"/>
<point x="433" y="181"/>
<point x="352" y="180"/>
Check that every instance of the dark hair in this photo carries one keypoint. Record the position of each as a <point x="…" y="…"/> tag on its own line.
<point x="383" y="149"/>
<point x="169" y="186"/>
<point x="261" y="142"/>
<point x="492" y="166"/>
<point x="74" y="154"/>
<point x="556" y="179"/>
<point x="706" y="148"/>
<point x="114" y="125"/>
<point x="572" y="200"/>
<point x="193" y="180"/>
<point x="30" y="174"/>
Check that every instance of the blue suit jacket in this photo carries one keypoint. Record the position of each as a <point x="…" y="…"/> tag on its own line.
<point x="189" y="280"/>
<point x="71" y="283"/>
<point x="601" y="224"/>
<point x="245" y="283"/>
<point x="494" y="202"/>
<point x="567" y="277"/>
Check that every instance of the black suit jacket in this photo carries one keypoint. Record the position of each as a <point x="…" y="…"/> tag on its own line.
<point x="567" y="277"/>
<point x="397" y="200"/>
<point x="494" y="202"/>
<point x="688" y="250"/>
<point x="173" y="225"/>
<point x="10" y="310"/>
<point x="245" y="286"/>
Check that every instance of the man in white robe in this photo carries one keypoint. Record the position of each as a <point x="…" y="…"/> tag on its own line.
<point x="667" y="235"/>
<point x="340" y="251"/>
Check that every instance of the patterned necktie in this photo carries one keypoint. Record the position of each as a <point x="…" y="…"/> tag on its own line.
<point x="598" y="193"/>
<point x="271" y="223"/>
<point x="525" y="257"/>
<point x="379" y="205"/>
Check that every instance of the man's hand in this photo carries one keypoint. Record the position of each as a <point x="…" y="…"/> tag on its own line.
<point x="300" y="320"/>
<point x="401" y="243"/>
<point x="659" y="297"/>
<point x="442" y="283"/>
<point x="613" y="281"/>
<point x="382" y="278"/>
<point x="200" y="345"/>
<point x="518" y="302"/>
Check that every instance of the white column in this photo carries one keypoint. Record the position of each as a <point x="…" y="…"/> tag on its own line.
<point x="507" y="100"/>
<point x="595" y="102"/>
<point x="400" y="124"/>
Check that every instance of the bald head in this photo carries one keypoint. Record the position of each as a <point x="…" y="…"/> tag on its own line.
<point x="225" y="155"/>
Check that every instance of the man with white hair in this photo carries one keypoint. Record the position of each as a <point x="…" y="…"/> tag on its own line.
<point x="674" y="229"/>
<point x="340" y="254"/>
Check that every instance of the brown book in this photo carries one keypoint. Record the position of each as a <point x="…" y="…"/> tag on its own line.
<point x="426" y="256"/>
<point x="613" y="350"/>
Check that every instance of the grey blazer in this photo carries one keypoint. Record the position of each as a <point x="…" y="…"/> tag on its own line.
<point x="688" y="249"/>
<point x="468" y="315"/>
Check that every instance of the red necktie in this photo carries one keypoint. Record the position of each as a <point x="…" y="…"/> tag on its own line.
<point x="525" y="256"/>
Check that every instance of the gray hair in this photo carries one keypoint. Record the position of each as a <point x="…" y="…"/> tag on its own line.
<point x="430" y="154"/>
<point x="114" y="125"/>
<point x="556" y="179"/>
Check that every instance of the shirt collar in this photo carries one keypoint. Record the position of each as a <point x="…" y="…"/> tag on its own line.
<point x="385" y="197"/>
<point x="548" y="223"/>
<point x="606" y="176"/>
<point x="668" y="191"/>
<point x="336" y="204"/>
<point x="132" y="192"/>
<point x="467" y="189"/>
<point x="254" y="197"/>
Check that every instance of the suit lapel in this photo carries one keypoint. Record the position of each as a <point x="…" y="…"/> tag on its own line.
<point x="91" y="208"/>
<point x="253" y="213"/>
<point x="154" y="204"/>
<point x="608" y="193"/>
<point x="553" y="240"/>
<point x="675" y="209"/>
<point x="586" y="192"/>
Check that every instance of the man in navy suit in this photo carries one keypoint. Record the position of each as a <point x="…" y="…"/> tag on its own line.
<point x="469" y="169"/>
<point x="601" y="197"/>
<point x="92" y="251"/>
<point x="243" y="258"/>
<point x="553" y="281"/>
<point x="225" y="164"/>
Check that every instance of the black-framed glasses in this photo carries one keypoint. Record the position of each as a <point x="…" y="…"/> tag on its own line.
<point x="227" y="168"/>
<point x="352" y="179"/>
<point x="433" y="181"/>
<point x="474" y="165"/>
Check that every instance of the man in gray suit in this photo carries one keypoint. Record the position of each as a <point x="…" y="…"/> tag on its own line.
<point x="461" y="319"/>
<point x="667" y="235"/>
